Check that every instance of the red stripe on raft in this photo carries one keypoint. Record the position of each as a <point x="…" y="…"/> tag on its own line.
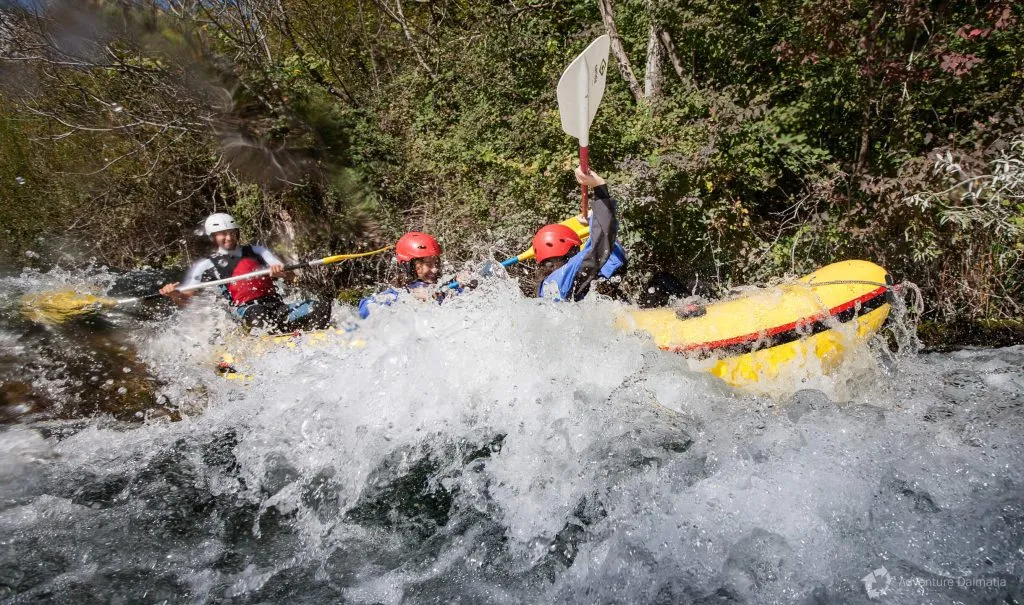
<point x="779" y="329"/>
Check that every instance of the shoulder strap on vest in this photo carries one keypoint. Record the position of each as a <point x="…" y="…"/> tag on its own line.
<point x="224" y="264"/>
<point x="217" y="260"/>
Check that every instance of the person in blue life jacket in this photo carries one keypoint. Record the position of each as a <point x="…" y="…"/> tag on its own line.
<point x="255" y="302"/>
<point x="567" y="267"/>
<point x="419" y="262"/>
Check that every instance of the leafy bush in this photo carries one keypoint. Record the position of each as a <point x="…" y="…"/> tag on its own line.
<point x="781" y="135"/>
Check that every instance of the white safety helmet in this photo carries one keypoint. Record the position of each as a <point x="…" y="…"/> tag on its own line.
<point x="218" y="222"/>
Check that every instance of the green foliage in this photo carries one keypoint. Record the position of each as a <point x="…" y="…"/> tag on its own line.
<point x="798" y="134"/>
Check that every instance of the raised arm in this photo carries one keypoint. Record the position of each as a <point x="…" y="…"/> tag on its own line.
<point x="603" y="230"/>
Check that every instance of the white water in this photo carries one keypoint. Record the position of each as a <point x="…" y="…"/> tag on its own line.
<point x="502" y="449"/>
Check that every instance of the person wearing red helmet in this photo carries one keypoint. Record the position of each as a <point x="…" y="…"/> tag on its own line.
<point x="419" y="257"/>
<point x="256" y="302"/>
<point x="419" y="262"/>
<point x="566" y="266"/>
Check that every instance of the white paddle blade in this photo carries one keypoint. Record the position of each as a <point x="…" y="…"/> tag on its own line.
<point x="581" y="88"/>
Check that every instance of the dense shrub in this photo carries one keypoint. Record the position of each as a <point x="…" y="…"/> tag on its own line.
<point x="771" y="137"/>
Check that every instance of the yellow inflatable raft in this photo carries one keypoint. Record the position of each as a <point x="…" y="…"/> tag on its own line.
<point x="759" y="334"/>
<point x="746" y="340"/>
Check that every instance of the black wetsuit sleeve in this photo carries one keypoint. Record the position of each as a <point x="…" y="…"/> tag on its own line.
<point x="603" y="229"/>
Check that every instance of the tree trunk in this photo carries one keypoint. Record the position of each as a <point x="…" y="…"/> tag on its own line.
<point x="619" y="51"/>
<point x="865" y="142"/>
<point x="652" y="73"/>
<point x="673" y="55"/>
<point x="868" y="42"/>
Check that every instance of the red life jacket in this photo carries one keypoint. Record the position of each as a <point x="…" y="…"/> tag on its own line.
<point x="246" y="290"/>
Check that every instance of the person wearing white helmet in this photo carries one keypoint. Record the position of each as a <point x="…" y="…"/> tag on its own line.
<point x="255" y="301"/>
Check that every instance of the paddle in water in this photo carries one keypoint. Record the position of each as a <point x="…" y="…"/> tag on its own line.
<point x="58" y="306"/>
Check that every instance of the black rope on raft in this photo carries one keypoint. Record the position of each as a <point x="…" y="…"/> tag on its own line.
<point x="917" y="304"/>
<point x="844" y="282"/>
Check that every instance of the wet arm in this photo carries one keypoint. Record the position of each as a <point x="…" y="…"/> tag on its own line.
<point x="193" y="276"/>
<point x="603" y="230"/>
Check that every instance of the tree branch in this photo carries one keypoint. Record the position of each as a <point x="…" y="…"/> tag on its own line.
<point x="619" y="51"/>
<point x="652" y="72"/>
<point x="398" y="16"/>
<point x="677" y="62"/>
<point x="286" y="29"/>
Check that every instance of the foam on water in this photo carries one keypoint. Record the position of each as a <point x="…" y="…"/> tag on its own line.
<point x="503" y="449"/>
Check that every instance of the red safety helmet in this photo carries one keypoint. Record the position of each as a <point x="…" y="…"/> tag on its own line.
<point x="416" y="245"/>
<point x="553" y="241"/>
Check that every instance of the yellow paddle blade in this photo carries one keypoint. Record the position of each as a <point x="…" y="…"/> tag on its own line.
<point x="57" y="307"/>
<point x="340" y="257"/>
<point x="582" y="229"/>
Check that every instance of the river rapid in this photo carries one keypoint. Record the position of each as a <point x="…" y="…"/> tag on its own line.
<point x="496" y="449"/>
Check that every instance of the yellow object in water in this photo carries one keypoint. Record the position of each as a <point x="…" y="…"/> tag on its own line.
<point x="59" y="306"/>
<point x="231" y="363"/>
<point x="56" y="307"/>
<point x="764" y="332"/>
<point x="749" y="339"/>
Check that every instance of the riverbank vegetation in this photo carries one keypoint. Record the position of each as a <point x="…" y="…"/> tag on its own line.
<point x="747" y="140"/>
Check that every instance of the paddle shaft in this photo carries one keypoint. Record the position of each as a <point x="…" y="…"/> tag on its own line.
<point x="456" y="284"/>
<point x="227" y="280"/>
<point x="579" y="92"/>
<point x="585" y="166"/>
<point x="583" y="99"/>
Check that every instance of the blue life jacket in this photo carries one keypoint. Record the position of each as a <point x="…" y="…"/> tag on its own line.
<point x="559" y="284"/>
<point x="389" y="296"/>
